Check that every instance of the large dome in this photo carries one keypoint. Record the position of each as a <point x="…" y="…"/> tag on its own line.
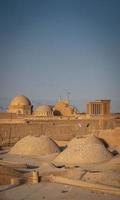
<point x="31" y="145"/>
<point x="83" y="151"/>
<point x="20" y="101"/>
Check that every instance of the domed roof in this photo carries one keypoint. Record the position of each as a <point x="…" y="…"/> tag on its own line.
<point x="31" y="145"/>
<point x="83" y="151"/>
<point x="61" y="105"/>
<point x="68" y="110"/>
<point x="43" y="108"/>
<point x="20" y="101"/>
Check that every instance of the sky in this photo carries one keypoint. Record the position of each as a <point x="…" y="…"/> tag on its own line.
<point x="49" y="48"/>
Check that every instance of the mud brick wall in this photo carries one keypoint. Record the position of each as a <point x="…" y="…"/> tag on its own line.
<point x="58" y="130"/>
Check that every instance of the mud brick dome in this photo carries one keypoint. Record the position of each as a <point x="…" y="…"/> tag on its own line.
<point x="43" y="110"/>
<point x="20" y="105"/>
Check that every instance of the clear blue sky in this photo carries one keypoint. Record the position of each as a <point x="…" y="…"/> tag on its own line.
<point x="51" y="47"/>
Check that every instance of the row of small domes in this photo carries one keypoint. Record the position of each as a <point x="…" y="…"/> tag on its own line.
<point x="23" y="101"/>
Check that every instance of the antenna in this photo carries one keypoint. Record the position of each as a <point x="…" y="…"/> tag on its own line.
<point x="68" y="96"/>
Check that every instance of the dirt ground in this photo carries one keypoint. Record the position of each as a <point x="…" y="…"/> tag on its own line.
<point x="108" y="170"/>
<point x="48" y="191"/>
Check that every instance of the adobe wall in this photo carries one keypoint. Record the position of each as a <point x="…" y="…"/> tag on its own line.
<point x="57" y="129"/>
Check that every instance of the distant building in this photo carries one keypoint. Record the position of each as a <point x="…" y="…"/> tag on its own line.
<point x="43" y="110"/>
<point x="63" y="108"/>
<point x="99" y="107"/>
<point x="20" y="105"/>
